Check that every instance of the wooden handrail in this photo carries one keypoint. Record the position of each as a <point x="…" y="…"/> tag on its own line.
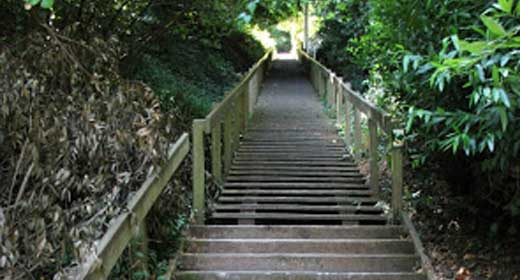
<point x="123" y="228"/>
<point x="370" y="110"/>
<point x="339" y="95"/>
<point x="225" y="124"/>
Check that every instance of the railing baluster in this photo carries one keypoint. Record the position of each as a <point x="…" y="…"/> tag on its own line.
<point x="397" y="179"/>
<point x="227" y="141"/>
<point x="330" y="90"/>
<point x="252" y="93"/>
<point x="244" y="104"/>
<point x="142" y="246"/>
<point x="240" y="114"/>
<point x="198" y="170"/>
<point x="357" y="135"/>
<point x="216" y="151"/>
<point x="377" y="120"/>
<point x="339" y="101"/>
<point x="348" y="124"/>
<point x="236" y="124"/>
<point x="373" y="156"/>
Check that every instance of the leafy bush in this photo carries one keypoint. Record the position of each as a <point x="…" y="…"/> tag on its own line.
<point x="449" y="71"/>
<point x="486" y="67"/>
<point x="186" y="85"/>
<point x="282" y="39"/>
<point x="343" y="22"/>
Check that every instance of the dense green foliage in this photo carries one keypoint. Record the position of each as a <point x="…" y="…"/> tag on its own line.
<point x="449" y="70"/>
<point x="186" y="85"/>
<point x="282" y="39"/>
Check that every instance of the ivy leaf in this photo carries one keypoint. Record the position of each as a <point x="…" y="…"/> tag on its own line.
<point x="47" y="4"/>
<point x="503" y="117"/>
<point x="505" y="5"/>
<point x="411" y="118"/>
<point x="505" y="98"/>
<point x="342" y="7"/>
<point x="252" y="7"/>
<point x="473" y="47"/>
<point x="455" y="40"/>
<point x="406" y="61"/>
<point x="496" y="76"/>
<point x="481" y="73"/>
<point x="245" y="18"/>
<point x="494" y="26"/>
<point x="490" y="142"/>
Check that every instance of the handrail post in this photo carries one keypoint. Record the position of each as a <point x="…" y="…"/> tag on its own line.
<point x="199" y="184"/>
<point x="142" y="246"/>
<point x="330" y="90"/>
<point x="348" y="124"/>
<point x="244" y="104"/>
<point x="397" y="179"/>
<point x="373" y="155"/>
<point x="235" y="135"/>
<point x="357" y="134"/>
<point x="339" y="100"/>
<point x="227" y="142"/>
<point x="323" y="85"/>
<point x="252" y="92"/>
<point x="216" y="151"/>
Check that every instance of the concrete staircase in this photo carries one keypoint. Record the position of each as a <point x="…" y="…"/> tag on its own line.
<point x="294" y="206"/>
<point x="299" y="252"/>
<point x="295" y="176"/>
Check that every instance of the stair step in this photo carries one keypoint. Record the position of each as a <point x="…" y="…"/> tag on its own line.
<point x="293" y="246"/>
<point x="260" y="168"/>
<point x="267" y="178"/>
<point x="295" y="185"/>
<point x="300" y="217"/>
<point x="287" y="143"/>
<point x="297" y="199"/>
<point x="294" y="157"/>
<point x="295" y="173"/>
<point x="338" y="145"/>
<point x="297" y="231"/>
<point x="310" y="138"/>
<point x="334" y="163"/>
<point x="297" y="192"/>
<point x="304" y="246"/>
<point x="312" y="149"/>
<point x="301" y="262"/>
<point x="308" y="152"/>
<point x="295" y="207"/>
<point x="295" y="275"/>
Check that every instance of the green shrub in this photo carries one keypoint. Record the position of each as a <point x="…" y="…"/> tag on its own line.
<point x="448" y="70"/>
<point x="282" y="39"/>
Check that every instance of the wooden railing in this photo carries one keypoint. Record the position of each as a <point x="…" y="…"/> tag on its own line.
<point x="349" y="106"/>
<point x="224" y="124"/>
<point x="132" y="222"/>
